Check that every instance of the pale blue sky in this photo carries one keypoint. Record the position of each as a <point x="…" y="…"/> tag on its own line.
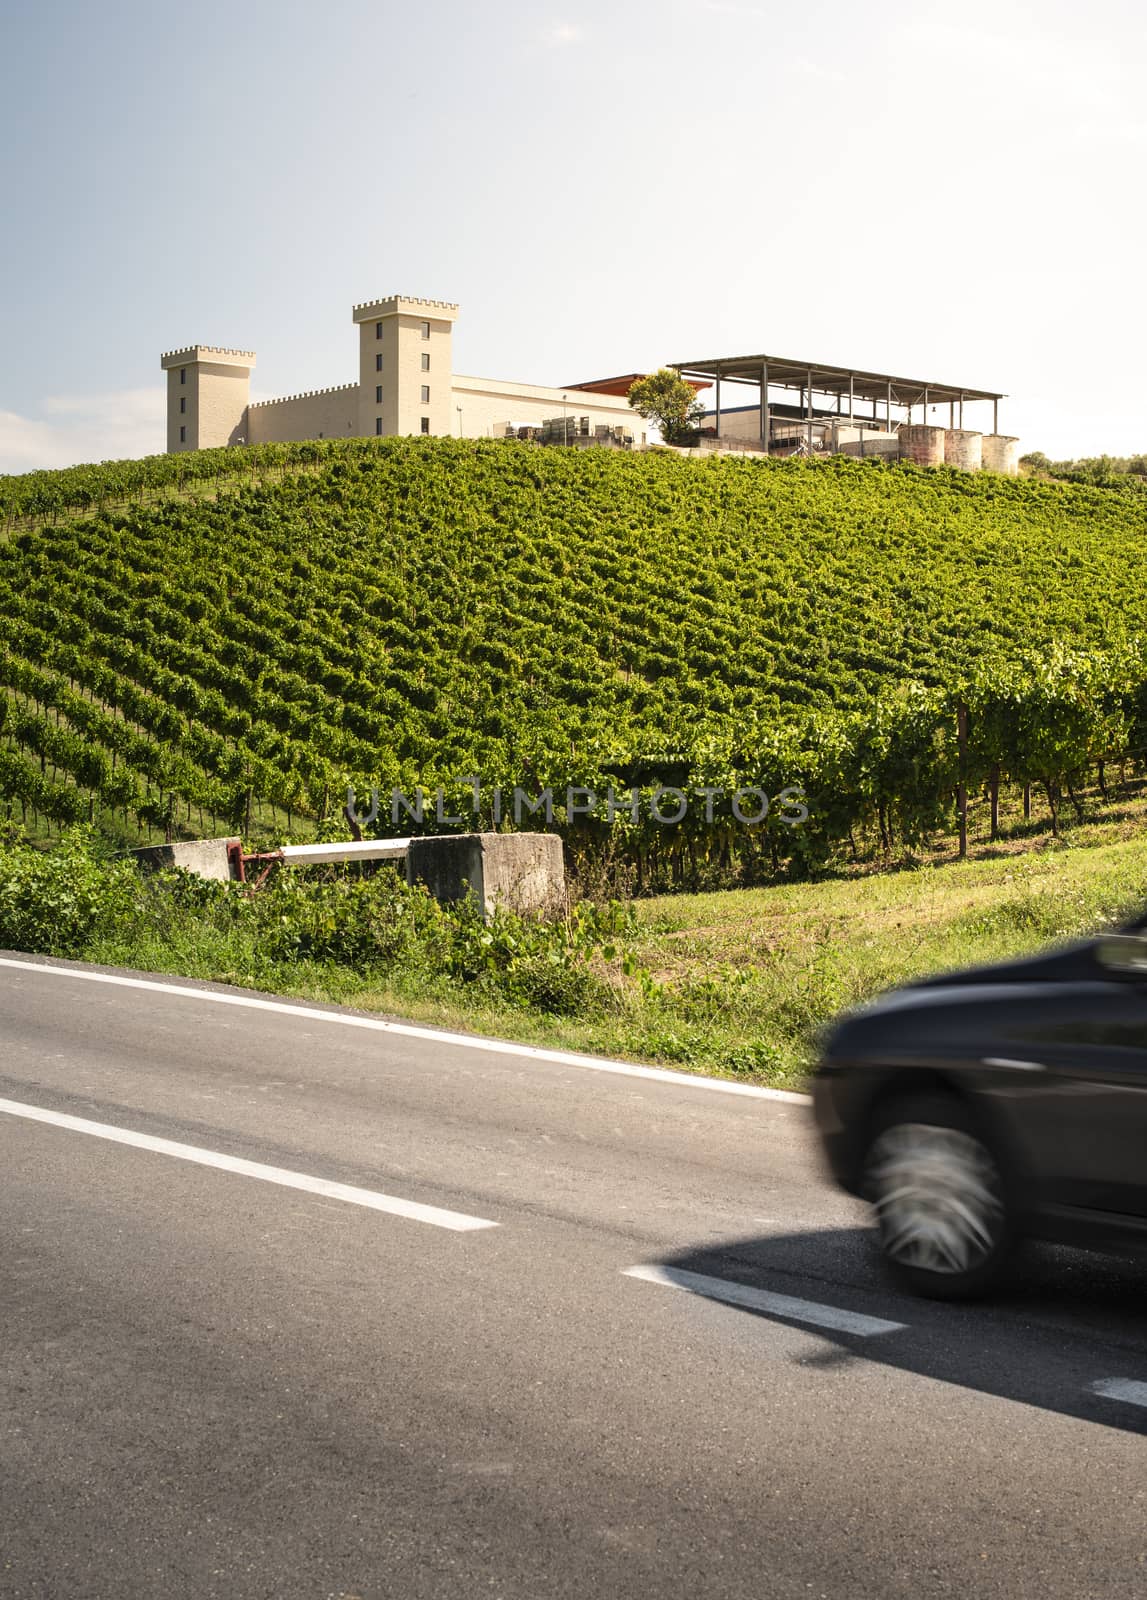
<point x="949" y="192"/>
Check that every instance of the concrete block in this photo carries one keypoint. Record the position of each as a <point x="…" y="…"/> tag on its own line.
<point x="206" y="858"/>
<point x="523" y="872"/>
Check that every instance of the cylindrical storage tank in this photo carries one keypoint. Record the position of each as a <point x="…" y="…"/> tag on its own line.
<point x="922" y="444"/>
<point x="963" y="448"/>
<point x="1001" y="454"/>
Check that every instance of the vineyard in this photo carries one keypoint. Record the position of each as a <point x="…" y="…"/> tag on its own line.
<point x="53" y="493"/>
<point x="412" y="613"/>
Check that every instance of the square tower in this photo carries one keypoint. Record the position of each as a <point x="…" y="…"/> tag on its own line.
<point x="406" y="368"/>
<point x="207" y="394"/>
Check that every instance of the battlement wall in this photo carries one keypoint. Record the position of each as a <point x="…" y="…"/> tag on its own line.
<point x="404" y="305"/>
<point x="318" y="414"/>
<point x="219" y="355"/>
<point x="305" y="394"/>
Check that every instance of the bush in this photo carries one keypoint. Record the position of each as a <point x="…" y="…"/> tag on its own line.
<point x="356" y="922"/>
<point x="67" y="902"/>
<point x="552" y="983"/>
<point x="56" y="902"/>
<point x="530" y="963"/>
<point x="380" y="924"/>
<point x="754" y="1060"/>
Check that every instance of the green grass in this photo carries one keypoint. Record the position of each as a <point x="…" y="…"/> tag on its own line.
<point x="770" y="966"/>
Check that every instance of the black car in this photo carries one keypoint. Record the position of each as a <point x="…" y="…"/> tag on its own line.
<point x="979" y="1108"/>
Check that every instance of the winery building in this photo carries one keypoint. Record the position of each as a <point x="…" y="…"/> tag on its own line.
<point x="406" y="385"/>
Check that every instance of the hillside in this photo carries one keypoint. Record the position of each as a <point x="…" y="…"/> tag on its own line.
<point x="404" y="612"/>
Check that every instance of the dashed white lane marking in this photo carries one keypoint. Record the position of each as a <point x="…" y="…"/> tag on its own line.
<point x="456" y="1220"/>
<point x="409" y="1030"/>
<point x="1126" y="1389"/>
<point x="776" y="1305"/>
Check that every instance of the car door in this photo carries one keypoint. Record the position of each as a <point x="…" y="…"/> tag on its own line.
<point x="1080" y="1092"/>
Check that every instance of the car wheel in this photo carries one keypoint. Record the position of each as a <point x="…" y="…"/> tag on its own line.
<point x="940" y="1196"/>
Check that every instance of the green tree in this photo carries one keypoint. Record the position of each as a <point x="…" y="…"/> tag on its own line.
<point x="666" y="399"/>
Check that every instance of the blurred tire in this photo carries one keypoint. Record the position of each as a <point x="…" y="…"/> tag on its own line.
<point x="944" y="1213"/>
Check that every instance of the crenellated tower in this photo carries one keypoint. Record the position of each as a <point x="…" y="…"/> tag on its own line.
<point x="207" y="395"/>
<point x="406" y="366"/>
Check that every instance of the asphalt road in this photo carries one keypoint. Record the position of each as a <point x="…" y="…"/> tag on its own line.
<point x="291" y="1307"/>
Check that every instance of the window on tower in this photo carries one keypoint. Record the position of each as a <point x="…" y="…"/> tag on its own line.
<point x="425" y="330"/>
<point x="378" y="362"/>
<point x="425" y="394"/>
<point x="378" y="330"/>
<point x="378" y="424"/>
<point x="182" y="403"/>
<point x="426" y="424"/>
<point x="426" y="361"/>
<point x="183" y="435"/>
<point x="378" y="394"/>
<point x="183" y="374"/>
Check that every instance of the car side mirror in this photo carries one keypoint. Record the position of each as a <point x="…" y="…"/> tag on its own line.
<point x="1123" y="954"/>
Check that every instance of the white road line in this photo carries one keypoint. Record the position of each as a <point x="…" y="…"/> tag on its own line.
<point x="776" y="1305"/>
<point x="456" y="1220"/>
<point x="1135" y="1394"/>
<point x="409" y="1030"/>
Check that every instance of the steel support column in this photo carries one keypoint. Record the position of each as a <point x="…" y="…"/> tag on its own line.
<point x="765" y="407"/>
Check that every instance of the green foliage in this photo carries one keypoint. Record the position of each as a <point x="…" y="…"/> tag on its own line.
<point x="357" y="922"/>
<point x="52" y="492"/>
<point x="68" y="901"/>
<point x="738" y="984"/>
<point x="56" y="903"/>
<point x="543" y="966"/>
<point x="1128" y="473"/>
<point x="665" y="398"/>
<point x="404" y="612"/>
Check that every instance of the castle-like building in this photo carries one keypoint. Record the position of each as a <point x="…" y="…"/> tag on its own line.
<point x="406" y="385"/>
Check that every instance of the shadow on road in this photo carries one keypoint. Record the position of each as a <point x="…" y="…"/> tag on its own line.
<point x="1065" y="1320"/>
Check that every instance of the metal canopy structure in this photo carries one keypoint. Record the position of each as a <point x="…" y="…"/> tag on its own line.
<point x="849" y="386"/>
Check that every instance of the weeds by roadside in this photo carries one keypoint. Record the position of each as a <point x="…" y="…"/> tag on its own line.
<point x="735" y="983"/>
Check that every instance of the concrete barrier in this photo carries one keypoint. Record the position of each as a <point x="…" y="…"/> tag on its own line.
<point x="523" y="872"/>
<point x="207" y="858"/>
